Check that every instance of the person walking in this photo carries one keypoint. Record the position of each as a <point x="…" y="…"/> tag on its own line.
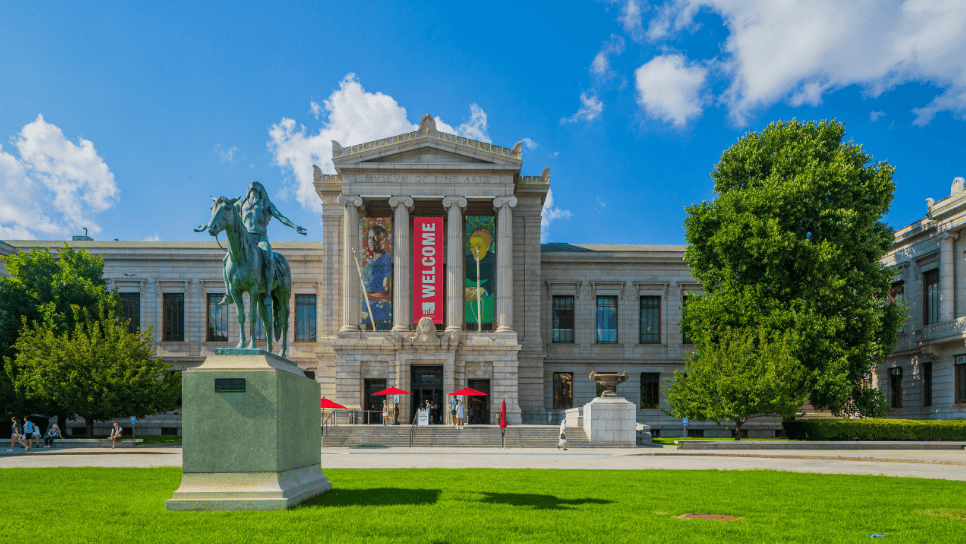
<point x="115" y="434"/>
<point x="562" y="443"/>
<point x="52" y="434"/>
<point x="28" y="431"/>
<point x="452" y="411"/>
<point x="15" y="433"/>
<point x="459" y="414"/>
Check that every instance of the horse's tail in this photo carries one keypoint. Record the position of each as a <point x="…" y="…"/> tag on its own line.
<point x="276" y="322"/>
<point x="283" y="273"/>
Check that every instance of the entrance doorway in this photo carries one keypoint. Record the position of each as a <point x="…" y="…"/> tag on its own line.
<point x="427" y="383"/>
<point x="479" y="412"/>
<point x="373" y="404"/>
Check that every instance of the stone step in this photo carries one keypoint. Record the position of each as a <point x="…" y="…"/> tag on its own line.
<point x="531" y="436"/>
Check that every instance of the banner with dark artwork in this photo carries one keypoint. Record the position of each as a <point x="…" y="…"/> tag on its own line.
<point x="480" y="268"/>
<point x="376" y="261"/>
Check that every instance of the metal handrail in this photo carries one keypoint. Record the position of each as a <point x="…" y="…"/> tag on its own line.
<point x="412" y="429"/>
<point x="326" y="424"/>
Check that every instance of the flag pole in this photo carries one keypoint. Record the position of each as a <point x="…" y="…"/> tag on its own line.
<point x="372" y="318"/>
<point x="479" y="300"/>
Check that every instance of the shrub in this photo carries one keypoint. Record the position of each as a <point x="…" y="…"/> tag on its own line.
<point x="874" y="429"/>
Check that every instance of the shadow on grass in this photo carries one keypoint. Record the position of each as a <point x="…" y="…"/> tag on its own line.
<point x="539" y="502"/>
<point x="385" y="496"/>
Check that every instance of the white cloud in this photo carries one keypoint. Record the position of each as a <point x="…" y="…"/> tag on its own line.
<point x="600" y="202"/>
<point x="631" y="19"/>
<point x="671" y="89"/>
<point x="352" y="116"/>
<point x="875" y="115"/>
<point x="529" y="144"/>
<point x="154" y="238"/>
<point x="550" y="214"/>
<point x="800" y="50"/>
<point x="227" y="155"/>
<point x="54" y="187"/>
<point x="554" y="154"/>
<point x="600" y="67"/>
<point x="590" y="108"/>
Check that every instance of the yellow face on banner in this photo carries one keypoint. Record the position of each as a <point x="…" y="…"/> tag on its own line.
<point x="480" y="242"/>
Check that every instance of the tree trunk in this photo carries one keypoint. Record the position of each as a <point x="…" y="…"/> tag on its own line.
<point x="738" y="423"/>
<point x="89" y="424"/>
<point x="62" y="423"/>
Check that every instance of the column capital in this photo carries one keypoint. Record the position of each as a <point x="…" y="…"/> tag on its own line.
<point x="949" y="235"/>
<point x="406" y="201"/>
<point x="354" y="200"/>
<point x="501" y="201"/>
<point x="454" y="201"/>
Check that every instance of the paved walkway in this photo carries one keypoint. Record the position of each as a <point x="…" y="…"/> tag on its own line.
<point x="937" y="464"/>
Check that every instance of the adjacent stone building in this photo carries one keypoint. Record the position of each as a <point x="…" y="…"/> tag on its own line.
<point x="925" y="376"/>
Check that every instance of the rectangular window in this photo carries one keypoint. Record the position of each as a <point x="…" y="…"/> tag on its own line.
<point x="895" y="389"/>
<point x="131" y="310"/>
<point x="217" y="319"/>
<point x="563" y="390"/>
<point x="930" y="297"/>
<point x="305" y="318"/>
<point x="650" y="320"/>
<point x="563" y="319"/>
<point x="650" y="390"/>
<point x="606" y="320"/>
<point x="173" y="317"/>
<point x="927" y="384"/>
<point x="685" y="339"/>
<point x="897" y="293"/>
<point x="960" y="370"/>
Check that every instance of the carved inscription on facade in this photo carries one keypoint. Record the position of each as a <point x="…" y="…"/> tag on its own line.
<point x="430" y="178"/>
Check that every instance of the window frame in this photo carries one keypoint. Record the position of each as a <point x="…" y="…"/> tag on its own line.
<point x="133" y="317"/>
<point x="597" y="321"/>
<point x="685" y="339"/>
<point x="657" y="313"/>
<point x="895" y="387"/>
<point x="312" y="326"/>
<point x="959" y="371"/>
<point x="927" y="384"/>
<point x="930" y="289"/>
<point x="655" y="379"/>
<point x="556" y="331"/>
<point x="555" y="381"/>
<point x="167" y="334"/>
<point x="212" y="300"/>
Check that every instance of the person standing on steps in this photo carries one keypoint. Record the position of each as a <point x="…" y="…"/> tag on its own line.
<point x="562" y="443"/>
<point x="257" y="210"/>
<point x="459" y="414"/>
<point x="452" y="411"/>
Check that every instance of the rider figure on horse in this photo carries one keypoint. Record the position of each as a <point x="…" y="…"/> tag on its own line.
<point x="256" y="211"/>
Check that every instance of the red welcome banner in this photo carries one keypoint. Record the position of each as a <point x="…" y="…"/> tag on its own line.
<point x="428" y="269"/>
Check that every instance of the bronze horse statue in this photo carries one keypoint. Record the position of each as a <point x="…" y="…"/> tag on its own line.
<point x="244" y="273"/>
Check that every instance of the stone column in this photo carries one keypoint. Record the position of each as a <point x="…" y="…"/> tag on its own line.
<point x="401" y="286"/>
<point x="504" y="262"/>
<point x="946" y="277"/>
<point x="454" y="262"/>
<point x="350" y="276"/>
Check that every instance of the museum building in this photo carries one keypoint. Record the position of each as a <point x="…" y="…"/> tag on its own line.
<point x="432" y="225"/>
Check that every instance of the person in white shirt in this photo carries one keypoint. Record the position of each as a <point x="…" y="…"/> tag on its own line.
<point x="562" y="443"/>
<point x="115" y="434"/>
<point x="459" y="414"/>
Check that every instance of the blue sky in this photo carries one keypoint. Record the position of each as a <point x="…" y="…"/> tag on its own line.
<point x="125" y="118"/>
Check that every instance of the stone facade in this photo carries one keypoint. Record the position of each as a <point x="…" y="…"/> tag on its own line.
<point x="925" y="376"/>
<point x="427" y="173"/>
<point x="5" y="249"/>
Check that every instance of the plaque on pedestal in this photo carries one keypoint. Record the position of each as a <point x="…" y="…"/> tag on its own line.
<point x="251" y="435"/>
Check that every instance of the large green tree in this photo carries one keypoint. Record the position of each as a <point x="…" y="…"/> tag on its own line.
<point x="98" y="371"/>
<point x="792" y="241"/>
<point x="739" y="375"/>
<point x="41" y="279"/>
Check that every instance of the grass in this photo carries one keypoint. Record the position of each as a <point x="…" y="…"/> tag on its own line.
<point x="669" y="441"/>
<point x="476" y="505"/>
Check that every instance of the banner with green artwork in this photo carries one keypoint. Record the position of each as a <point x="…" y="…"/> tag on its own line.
<point x="480" y="268"/>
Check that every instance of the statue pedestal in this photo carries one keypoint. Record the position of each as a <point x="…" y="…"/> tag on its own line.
<point x="251" y="438"/>
<point x="610" y="420"/>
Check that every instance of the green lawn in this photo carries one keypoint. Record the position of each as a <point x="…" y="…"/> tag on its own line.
<point x="473" y="505"/>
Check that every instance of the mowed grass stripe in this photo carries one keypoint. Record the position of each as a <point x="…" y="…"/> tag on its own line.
<point x="484" y="505"/>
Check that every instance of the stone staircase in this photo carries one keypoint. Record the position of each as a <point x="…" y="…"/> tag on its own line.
<point x="471" y="436"/>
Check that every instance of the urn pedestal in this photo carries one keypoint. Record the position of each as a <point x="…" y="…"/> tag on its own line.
<point x="251" y="435"/>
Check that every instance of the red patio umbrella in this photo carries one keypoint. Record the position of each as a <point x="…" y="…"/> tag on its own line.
<point x="326" y="403"/>
<point x="503" y="425"/>
<point x="468" y="392"/>
<point x="393" y="391"/>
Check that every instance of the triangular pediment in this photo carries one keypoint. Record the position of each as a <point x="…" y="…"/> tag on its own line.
<point x="427" y="146"/>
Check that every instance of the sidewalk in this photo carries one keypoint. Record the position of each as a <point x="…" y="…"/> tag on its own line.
<point x="934" y="464"/>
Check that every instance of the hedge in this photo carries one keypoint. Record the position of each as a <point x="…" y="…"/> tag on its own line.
<point x="874" y="429"/>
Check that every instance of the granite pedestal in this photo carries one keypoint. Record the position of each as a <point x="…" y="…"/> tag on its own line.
<point x="251" y="438"/>
<point x="610" y="420"/>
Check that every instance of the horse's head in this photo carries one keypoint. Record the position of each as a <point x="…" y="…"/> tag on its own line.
<point x="221" y="211"/>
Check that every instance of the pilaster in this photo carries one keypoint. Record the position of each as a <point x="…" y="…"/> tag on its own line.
<point x="401" y="287"/>
<point x="454" y="262"/>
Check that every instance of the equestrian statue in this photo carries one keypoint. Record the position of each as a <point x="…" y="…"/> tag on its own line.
<point x="269" y="286"/>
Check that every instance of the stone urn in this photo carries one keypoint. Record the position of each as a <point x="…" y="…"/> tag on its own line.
<point x="609" y="381"/>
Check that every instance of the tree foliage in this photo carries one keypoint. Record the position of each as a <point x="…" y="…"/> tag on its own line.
<point x="46" y="283"/>
<point x="792" y="241"/>
<point x="739" y="375"/>
<point x="99" y="370"/>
